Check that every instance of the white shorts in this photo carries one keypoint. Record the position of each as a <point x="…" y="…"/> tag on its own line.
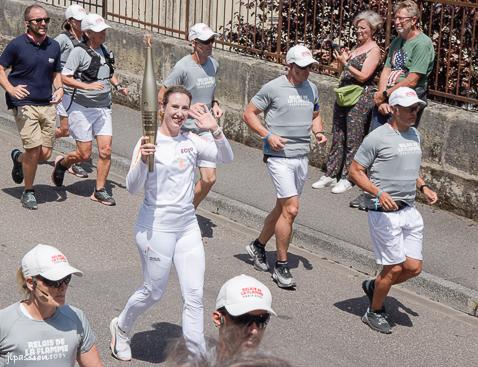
<point x="396" y="235"/>
<point x="88" y="122"/>
<point x="288" y="175"/>
<point x="206" y="164"/>
<point x="60" y="110"/>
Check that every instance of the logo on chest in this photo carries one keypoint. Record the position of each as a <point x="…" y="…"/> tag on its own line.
<point x="299" y="101"/>
<point x="186" y="150"/>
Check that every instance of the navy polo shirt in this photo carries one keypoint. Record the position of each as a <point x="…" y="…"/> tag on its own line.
<point x="32" y="65"/>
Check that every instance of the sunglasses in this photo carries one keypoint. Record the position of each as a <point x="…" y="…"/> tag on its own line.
<point x="207" y="42"/>
<point x="412" y="109"/>
<point x="40" y="20"/>
<point x="247" y="320"/>
<point x="55" y="283"/>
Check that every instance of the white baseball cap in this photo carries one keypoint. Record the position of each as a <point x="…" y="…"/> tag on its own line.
<point x="404" y="97"/>
<point x="300" y="55"/>
<point x="243" y="294"/>
<point x="93" y="22"/>
<point x="201" y="31"/>
<point x="48" y="262"/>
<point x="75" y="11"/>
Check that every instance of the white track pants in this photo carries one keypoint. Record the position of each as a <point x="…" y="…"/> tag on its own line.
<point x="158" y="250"/>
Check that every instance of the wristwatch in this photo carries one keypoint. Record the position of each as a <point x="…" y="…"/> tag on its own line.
<point x="385" y="94"/>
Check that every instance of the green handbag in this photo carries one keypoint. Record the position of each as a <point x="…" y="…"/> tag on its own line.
<point x="349" y="95"/>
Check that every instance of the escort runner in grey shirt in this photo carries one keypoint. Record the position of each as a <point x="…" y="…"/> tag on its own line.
<point x="288" y="111"/>
<point x="198" y="79"/>
<point x="393" y="159"/>
<point x="54" y="342"/>
<point x="79" y="60"/>
<point x="66" y="46"/>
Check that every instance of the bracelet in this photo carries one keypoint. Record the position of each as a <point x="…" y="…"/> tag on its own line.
<point x="117" y="86"/>
<point x="422" y="187"/>
<point x="61" y="87"/>
<point x="216" y="133"/>
<point x="319" y="132"/>
<point x="215" y="101"/>
<point x="379" y="193"/>
<point x="267" y="136"/>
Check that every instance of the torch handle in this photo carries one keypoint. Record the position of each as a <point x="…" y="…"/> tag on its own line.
<point x="151" y="163"/>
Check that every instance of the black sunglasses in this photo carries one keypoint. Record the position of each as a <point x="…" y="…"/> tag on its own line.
<point x="55" y="283"/>
<point x="247" y="320"/>
<point x="39" y="20"/>
<point x="207" y="42"/>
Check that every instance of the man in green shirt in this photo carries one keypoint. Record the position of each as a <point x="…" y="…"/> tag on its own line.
<point x="409" y="62"/>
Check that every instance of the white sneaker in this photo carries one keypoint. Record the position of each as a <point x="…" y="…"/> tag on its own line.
<point x="324" y="181"/>
<point x="119" y="342"/>
<point x="342" y="186"/>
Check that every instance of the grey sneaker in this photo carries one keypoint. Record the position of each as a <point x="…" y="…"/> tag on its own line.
<point x="120" y="343"/>
<point x="377" y="321"/>
<point x="29" y="200"/>
<point x="103" y="197"/>
<point x="258" y="256"/>
<point x="283" y="277"/>
<point x="78" y="171"/>
<point x="17" y="170"/>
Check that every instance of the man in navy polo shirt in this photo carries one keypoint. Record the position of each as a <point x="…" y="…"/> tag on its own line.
<point x="34" y="60"/>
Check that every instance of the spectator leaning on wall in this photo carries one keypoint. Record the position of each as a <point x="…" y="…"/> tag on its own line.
<point x="408" y="64"/>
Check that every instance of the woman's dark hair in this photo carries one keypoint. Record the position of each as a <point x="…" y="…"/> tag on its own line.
<point x="176" y="89"/>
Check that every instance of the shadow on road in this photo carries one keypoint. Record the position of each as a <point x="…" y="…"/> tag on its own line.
<point x="398" y="313"/>
<point x="151" y="346"/>
<point x="43" y="193"/>
<point x="206" y="225"/>
<point x="294" y="260"/>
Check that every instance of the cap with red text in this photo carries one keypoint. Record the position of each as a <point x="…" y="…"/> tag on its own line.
<point x="243" y="294"/>
<point x="48" y="262"/>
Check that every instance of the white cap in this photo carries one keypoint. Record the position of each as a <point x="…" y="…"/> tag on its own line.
<point x="48" y="262"/>
<point x="75" y="11"/>
<point x="93" y="22"/>
<point x="243" y="294"/>
<point x="201" y="31"/>
<point x="300" y="55"/>
<point x="404" y="97"/>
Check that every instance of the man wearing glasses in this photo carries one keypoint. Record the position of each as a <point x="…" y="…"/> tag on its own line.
<point x="42" y="330"/>
<point x="409" y="62"/>
<point x="197" y="73"/>
<point x="291" y="107"/>
<point x="392" y="154"/>
<point x="34" y="60"/>
<point x="243" y="309"/>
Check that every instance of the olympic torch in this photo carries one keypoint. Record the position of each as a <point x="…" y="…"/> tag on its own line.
<point x="149" y="101"/>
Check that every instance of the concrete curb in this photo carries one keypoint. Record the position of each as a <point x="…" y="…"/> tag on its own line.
<point x="329" y="247"/>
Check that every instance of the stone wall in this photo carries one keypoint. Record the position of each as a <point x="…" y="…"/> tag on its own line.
<point x="450" y="135"/>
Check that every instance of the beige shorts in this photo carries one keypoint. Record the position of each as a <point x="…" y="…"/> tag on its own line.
<point x="36" y="125"/>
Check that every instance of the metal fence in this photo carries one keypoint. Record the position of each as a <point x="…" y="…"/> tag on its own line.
<point x="266" y="28"/>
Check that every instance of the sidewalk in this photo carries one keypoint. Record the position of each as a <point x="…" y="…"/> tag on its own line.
<point x="325" y="225"/>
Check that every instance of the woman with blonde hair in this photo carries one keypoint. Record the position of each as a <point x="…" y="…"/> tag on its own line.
<point x="360" y="67"/>
<point x="42" y="329"/>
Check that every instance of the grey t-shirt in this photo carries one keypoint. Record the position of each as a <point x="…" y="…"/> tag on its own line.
<point x="66" y="45"/>
<point x="54" y="342"/>
<point x="393" y="159"/>
<point x="79" y="60"/>
<point x="289" y="111"/>
<point x="198" y="79"/>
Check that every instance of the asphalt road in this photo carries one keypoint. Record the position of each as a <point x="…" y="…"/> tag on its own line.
<point x="318" y="324"/>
